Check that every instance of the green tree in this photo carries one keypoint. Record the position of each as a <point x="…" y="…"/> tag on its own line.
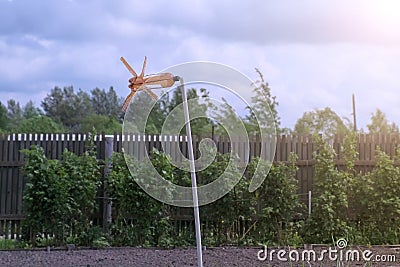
<point x="100" y="123"/>
<point x="380" y="124"/>
<point x="30" y="111"/>
<point x="170" y="101"/>
<point x="3" y="118"/>
<point x="320" y="121"/>
<point x="264" y="108"/>
<point x="227" y="119"/>
<point x="14" y="114"/>
<point x="39" y="124"/>
<point x="106" y="103"/>
<point x="67" y="107"/>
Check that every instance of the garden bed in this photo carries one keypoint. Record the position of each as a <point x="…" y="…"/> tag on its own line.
<point x="220" y="256"/>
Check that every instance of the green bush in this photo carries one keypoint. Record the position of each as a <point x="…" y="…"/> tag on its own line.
<point x="329" y="210"/>
<point x="278" y="205"/>
<point x="141" y="220"/>
<point x="60" y="200"/>
<point x="59" y="196"/>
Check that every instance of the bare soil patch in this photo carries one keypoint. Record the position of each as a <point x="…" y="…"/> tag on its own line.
<point x="221" y="256"/>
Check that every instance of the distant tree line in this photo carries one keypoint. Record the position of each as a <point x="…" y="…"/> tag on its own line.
<point x="65" y="110"/>
<point x="68" y="110"/>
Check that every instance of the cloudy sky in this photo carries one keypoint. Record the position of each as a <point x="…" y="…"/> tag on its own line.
<point x="313" y="53"/>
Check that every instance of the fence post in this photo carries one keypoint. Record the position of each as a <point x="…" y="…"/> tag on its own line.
<point x="107" y="202"/>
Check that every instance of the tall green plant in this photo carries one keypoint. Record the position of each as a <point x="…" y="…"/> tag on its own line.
<point x="60" y="196"/>
<point x="45" y="196"/>
<point x="330" y="203"/>
<point x="379" y="194"/>
<point x="278" y="203"/>
<point x="81" y="175"/>
<point x="141" y="220"/>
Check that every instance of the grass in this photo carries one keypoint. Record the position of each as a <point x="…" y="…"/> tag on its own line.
<point x="10" y="244"/>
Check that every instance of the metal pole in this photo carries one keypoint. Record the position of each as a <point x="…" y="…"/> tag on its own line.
<point x="107" y="203"/>
<point x="309" y="202"/>
<point x="192" y="175"/>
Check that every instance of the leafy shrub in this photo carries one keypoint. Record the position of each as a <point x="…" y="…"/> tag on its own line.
<point x="140" y="218"/>
<point x="278" y="205"/>
<point x="59" y="196"/>
<point x="328" y="218"/>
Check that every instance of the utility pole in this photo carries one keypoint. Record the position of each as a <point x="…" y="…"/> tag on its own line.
<point x="354" y="114"/>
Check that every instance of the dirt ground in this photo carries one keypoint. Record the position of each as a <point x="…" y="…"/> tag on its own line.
<point x="215" y="257"/>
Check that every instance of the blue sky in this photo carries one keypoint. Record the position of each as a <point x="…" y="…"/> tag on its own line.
<point x="313" y="53"/>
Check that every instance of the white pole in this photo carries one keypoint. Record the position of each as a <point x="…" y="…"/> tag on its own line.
<point x="309" y="202"/>
<point x="193" y="176"/>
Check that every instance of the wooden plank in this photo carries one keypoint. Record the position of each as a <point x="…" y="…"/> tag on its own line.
<point x="20" y="188"/>
<point x="10" y="156"/>
<point x="277" y="156"/>
<point x="284" y="156"/>
<point x="3" y="176"/>
<point x="14" y="190"/>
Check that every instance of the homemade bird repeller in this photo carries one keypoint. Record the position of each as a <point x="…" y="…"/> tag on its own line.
<point x="165" y="80"/>
<point x="140" y="82"/>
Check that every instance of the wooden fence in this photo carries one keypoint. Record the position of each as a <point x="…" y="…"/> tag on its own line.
<point x="12" y="159"/>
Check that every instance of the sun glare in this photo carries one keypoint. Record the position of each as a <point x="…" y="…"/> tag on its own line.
<point x="387" y="10"/>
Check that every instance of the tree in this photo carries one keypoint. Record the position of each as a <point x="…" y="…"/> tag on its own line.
<point x="164" y="107"/>
<point x="14" y="114"/>
<point x="106" y="103"/>
<point x="228" y="120"/>
<point x="100" y="123"/>
<point x="67" y="107"/>
<point x="30" y="111"/>
<point x="39" y="124"/>
<point x="3" y="118"/>
<point x="264" y="108"/>
<point x="320" y="121"/>
<point x="380" y="124"/>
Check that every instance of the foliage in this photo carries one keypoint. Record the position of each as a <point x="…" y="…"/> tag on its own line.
<point x="11" y="244"/>
<point x="106" y="103"/>
<point x="236" y="210"/>
<point x="380" y="125"/>
<point x="81" y="175"/>
<point x="44" y="196"/>
<point x="328" y="217"/>
<point x="3" y="117"/>
<point x="263" y="112"/>
<point x="278" y="202"/>
<point x="66" y="106"/>
<point x="378" y="202"/>
<point x="171" y="100"/>
<point x="14" y="113"/>
<point x="141" y="220"/>
<point x="100" y="123"/>
<point x="226" y="115"/>
<point x="38" y="124"/>
<point x="59" y="196"/>
<point x="320" y="121"/>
